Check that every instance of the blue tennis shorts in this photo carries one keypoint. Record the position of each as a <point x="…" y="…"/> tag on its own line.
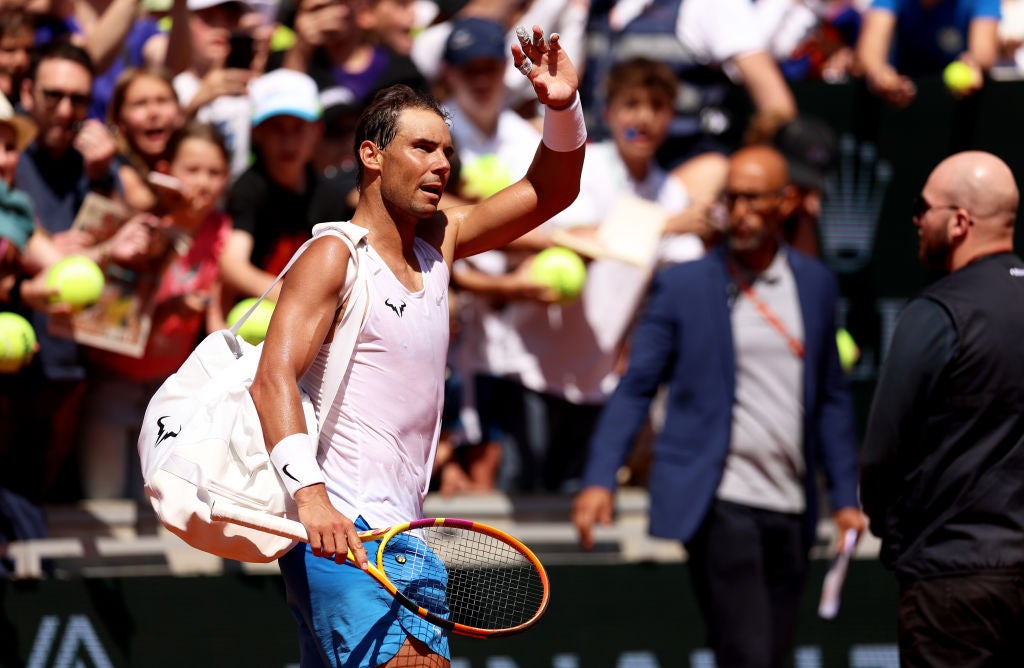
<point x="345" y="618"/>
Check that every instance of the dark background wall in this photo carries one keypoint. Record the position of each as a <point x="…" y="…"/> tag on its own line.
<point x="866" y="233"/>
<point x="635" y="616"/>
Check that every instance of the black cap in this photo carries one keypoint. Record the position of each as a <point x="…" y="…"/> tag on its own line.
<point x="810" y="147"/>
<point x="473" y="38"/>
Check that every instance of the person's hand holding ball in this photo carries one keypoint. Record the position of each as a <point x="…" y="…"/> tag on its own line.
<point x="78" y="281"/>
<point x="561" y="270"/>
<point x="962" y="79"/>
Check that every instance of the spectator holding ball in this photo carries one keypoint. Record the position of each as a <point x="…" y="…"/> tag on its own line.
<point x="184" y="267"/>
<point x="903" y="39"/>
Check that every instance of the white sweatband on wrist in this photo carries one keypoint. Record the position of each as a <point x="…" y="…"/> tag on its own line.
<point x="294" y="457"/>
<point x="564" y="129"/>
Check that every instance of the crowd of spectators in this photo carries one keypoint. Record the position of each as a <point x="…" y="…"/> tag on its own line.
<point x="221" y="131"/>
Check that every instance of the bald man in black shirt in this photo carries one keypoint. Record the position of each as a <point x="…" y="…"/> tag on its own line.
<point x="942" y="468"/>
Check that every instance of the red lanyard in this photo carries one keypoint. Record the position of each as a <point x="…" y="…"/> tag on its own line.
<point x="795" y="344"/>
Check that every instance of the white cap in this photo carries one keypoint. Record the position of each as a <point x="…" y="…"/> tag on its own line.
<point x="284" y="92"/>
<point x="24" y="128"/>
<point x="196" y="5"/>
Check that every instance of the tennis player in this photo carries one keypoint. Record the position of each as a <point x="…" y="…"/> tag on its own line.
<point x="372" y="465"/>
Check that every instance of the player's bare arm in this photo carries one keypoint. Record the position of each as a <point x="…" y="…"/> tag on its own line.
<point x="303" y="318"/>
<point x="552" y="182"/>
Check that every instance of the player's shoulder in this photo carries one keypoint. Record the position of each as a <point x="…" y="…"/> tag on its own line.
<point x="331" y="245"/>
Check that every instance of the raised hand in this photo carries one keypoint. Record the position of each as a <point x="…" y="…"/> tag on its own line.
<point x="219" y="82"/>
<point x="547" y="66"/>
<point x="136" y="241"/>
<point x="97" y="146"/>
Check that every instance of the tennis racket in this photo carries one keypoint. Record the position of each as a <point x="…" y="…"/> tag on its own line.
<point x="466" y="577"/>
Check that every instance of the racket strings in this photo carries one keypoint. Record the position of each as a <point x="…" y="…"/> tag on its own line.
<point x="465" y="576"/>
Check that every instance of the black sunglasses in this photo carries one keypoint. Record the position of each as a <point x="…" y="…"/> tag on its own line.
<point x="921" y="206"/>
<point x="52" y="97"/>
<point x="752" y="199"/>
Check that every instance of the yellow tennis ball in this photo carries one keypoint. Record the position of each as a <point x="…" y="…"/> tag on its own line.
<point x="849" y="353"/>
<point x="958" y="76"/>
<point x="254" y="329"/>
<point x="560" y="269"/>
<point x="485" y="175"/>
<point x="282" y="39"/>
<point x="17" y="342"/>
<point x="78" y="280"/>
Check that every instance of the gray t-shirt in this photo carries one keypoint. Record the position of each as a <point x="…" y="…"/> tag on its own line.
<point x="765" y="466"/>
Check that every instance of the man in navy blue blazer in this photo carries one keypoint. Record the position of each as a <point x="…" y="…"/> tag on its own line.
<point x="757" y="403"/>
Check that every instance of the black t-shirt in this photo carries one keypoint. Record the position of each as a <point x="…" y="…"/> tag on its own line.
<point x="279" y="219"/>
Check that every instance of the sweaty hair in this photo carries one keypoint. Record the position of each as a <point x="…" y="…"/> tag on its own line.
<point x="196" y="130"/>
<point x="379" y="121"/>
<point x="61" y="49"/>
<point x="650" y="75"/>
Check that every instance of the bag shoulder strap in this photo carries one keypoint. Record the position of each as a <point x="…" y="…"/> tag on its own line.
<point x="353" y="234"/>
<point x="356" y="303"/>
<point x="354" y="296"/>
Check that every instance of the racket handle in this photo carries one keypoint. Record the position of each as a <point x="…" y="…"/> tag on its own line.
<point x="254" y="519"/>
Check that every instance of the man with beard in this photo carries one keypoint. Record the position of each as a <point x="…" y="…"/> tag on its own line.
<point x="745" y="339"/>
<point x="70" y="158"/>
<point x="944" y="449"/>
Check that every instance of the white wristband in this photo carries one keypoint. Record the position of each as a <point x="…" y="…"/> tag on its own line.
<point x="294" y="457"/>
<point x="564" y="129"/>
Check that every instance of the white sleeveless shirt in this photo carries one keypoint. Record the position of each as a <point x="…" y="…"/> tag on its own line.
<point x="378" y="442"/>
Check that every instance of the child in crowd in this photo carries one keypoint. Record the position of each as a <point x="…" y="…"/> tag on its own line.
<point x="276" y="202"/>
<point x="144" y="110"/>
<point x="573" y="353"/>
<point x="213" y="87"/>
<point x="17" y="37"/>
<point x="186" y="247"/>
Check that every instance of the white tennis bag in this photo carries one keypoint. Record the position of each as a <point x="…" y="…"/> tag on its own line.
<point x="201" y="439"/>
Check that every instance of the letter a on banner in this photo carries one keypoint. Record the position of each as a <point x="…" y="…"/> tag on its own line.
<point x="79" y="639"/>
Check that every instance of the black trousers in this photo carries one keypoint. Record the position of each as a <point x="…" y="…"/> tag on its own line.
<point x="748" y="568"/>
<point x="963" y="621"/>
